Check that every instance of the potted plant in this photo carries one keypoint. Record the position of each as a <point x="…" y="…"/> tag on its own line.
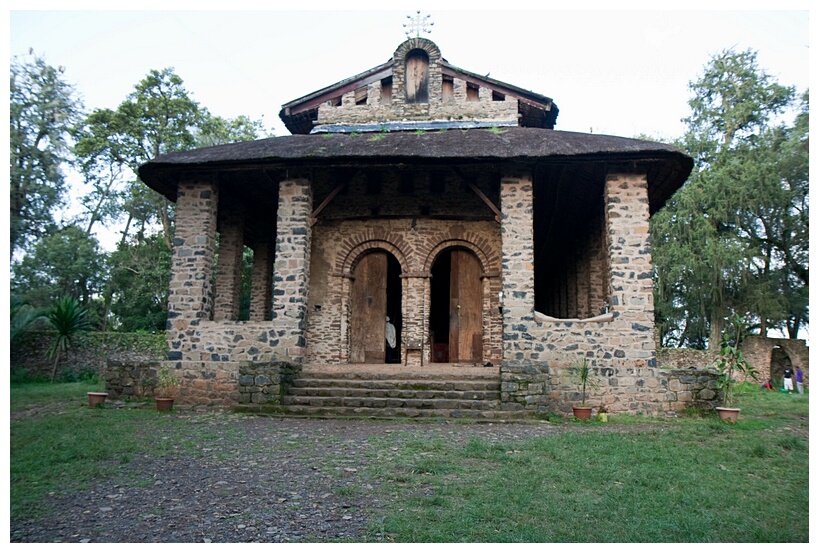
<point x="585" y="379"/>
<point x="96" y="399"/>
<point x="167" y="386"/>
<point x="729" y="363"/>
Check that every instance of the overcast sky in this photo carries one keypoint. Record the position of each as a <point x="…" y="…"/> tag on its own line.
<point x="623" y="72"/>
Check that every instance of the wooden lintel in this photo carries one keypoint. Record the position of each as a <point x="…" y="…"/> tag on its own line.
<point x="486" y="200"/>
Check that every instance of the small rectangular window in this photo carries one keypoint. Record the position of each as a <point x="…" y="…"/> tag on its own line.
<point x="386" y="90"/>
<point x="448" y="90"/>
<point x="472" y="92"/>
<point x="361" y="96"/>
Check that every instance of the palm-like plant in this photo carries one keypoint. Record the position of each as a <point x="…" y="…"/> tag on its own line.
<point x="730" y="360"/>
<point x="23" y="316"/>
<point x="67" y="317"/>
<point x="585" y="376"/>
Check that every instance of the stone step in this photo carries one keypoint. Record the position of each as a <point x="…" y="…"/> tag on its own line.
<point x="392" y="402"/>
<point x="415" y="384"/>
<point x="339" y="390"/>
<point x="387" y="391"/>
<point x="407" y="374"/>
<point x="400" y="412"/>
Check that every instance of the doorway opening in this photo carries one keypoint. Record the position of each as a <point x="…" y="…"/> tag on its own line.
<point x="375" y="302"/>
<point x="780" y="360"/>
<point x="456" y="307"/>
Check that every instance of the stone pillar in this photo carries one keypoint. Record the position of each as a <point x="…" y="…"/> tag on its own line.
<point x="228" y="285"/>
<point x="631" y="272"/>
<point x="261" y="281"/>
<point x="415" y="349"/>
<point x="291" y="271"/>
<point x="194" y="245"/>
<point x="518" y="274"/>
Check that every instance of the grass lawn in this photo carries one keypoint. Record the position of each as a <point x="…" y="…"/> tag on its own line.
<point x="635" y="479"/>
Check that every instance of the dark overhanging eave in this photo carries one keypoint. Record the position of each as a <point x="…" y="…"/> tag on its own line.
<point x="512" y="146"/>
<point x="163" y="177"/>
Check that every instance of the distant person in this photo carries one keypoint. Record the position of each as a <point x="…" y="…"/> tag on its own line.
<point x="766" y="386"/>
<point x="390" y="331"/>
<point x="787" y="375"/>
<point x="799" y="386"/>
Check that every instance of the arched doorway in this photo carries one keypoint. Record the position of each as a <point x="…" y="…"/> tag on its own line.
<point x="780" y="360"/>
<point x="456" y="307"/>
<point x="375" y="296"/>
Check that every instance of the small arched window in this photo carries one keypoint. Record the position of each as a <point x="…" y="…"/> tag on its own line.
<point x="417" y="77"/>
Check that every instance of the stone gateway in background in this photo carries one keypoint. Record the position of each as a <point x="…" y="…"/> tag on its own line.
<point x="444" y="200"/>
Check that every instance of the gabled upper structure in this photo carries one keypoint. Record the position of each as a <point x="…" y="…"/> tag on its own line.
<point x="417" y="89"/>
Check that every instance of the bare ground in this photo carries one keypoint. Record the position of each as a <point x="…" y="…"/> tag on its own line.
<point x="257" y="479"/>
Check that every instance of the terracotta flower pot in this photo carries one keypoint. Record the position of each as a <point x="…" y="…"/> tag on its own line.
<point x="96" y="398"/>
<point x="582" y="413"/>
<point x="164" y="403"/>
<point x="728" y="414"/>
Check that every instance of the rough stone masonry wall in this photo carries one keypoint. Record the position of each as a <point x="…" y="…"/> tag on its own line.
<point x="225" y="384"/>
<point x="758" y="351"/>
<point x="538" y="356"/>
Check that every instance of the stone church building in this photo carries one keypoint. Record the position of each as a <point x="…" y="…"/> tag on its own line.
<point x="500" y="249"/>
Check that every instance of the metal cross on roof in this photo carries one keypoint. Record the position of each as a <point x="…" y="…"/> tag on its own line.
<point x="418" y="25"/>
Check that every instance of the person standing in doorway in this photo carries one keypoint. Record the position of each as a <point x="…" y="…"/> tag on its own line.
<point x="787" y="376"/>
<point x="799" y="386"/>
<point x="390" y="332"/>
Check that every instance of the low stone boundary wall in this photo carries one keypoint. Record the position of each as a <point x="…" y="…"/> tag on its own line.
<point x="693" y="388"/>
<point x="203" y="383"/>
<point x="89" y="352"/>
<point x="646" y="391"/>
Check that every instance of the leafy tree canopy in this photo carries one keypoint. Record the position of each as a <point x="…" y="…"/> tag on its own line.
<point x="43" y="111"/>
<point x="733" y="239"/>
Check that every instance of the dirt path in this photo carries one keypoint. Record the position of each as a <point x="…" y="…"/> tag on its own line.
<point x="258" y="480"/>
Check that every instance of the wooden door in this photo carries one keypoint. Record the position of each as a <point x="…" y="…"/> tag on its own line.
<point x="368" y="310"/>
<point x="465" y="308"/>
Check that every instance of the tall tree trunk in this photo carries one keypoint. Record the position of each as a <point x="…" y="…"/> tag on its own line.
<point x="56" y="362"/>
<point x="715" y="332"/>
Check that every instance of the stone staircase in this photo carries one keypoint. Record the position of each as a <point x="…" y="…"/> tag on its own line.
<point x="442" y="390"/>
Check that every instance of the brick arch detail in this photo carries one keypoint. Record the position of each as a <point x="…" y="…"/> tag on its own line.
<point x="485" y="260"/>
<point x="347" y="260"/>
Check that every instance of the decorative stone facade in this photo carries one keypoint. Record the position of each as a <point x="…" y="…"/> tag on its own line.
<point x="380" y="108"/>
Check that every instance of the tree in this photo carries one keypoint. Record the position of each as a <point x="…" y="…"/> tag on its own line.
<point x="103" y="167"/>
<point x="711" y="257"/>
<point x="67" y="263"/>
<point x="140" y="274"/>
<point x="43" y="110"/>
<point x="216" y="130"/>
<point x="157" y="117"/>
<point x="67" y="317"/>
